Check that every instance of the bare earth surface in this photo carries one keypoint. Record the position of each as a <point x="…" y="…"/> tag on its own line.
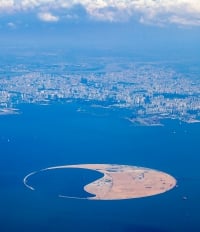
<point x="122" y="181"/>
<point x="8" y="111"/>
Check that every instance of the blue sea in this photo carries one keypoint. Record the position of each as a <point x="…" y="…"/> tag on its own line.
<point x="59" y="134"/>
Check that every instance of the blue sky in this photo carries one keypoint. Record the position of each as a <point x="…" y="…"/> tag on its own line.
<point x="103" y="22"/>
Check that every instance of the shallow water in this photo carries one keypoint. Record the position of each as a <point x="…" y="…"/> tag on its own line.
<point x="67" y="182"/>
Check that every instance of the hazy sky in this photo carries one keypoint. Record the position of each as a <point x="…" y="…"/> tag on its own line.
<point x="107" y="21"/>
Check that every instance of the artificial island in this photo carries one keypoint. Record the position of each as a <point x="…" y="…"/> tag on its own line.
<point x="120" y="181"/>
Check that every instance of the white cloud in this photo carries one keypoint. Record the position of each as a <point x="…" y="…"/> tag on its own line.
<point x="184" y="21"/>
<point x="181" y="12"/>
<point x="6" y="5"/>
<point x="48" y="17"/>
<point x="11" y="25"/>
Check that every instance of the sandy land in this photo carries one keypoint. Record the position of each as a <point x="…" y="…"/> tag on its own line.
<point x="8" y="111"/>
<point x="123" y="181"/>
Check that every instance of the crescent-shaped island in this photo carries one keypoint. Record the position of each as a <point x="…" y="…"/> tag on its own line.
<point x="120" y="181"/>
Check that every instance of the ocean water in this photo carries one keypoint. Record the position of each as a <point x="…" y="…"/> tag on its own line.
<point x="58" y="134"/>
